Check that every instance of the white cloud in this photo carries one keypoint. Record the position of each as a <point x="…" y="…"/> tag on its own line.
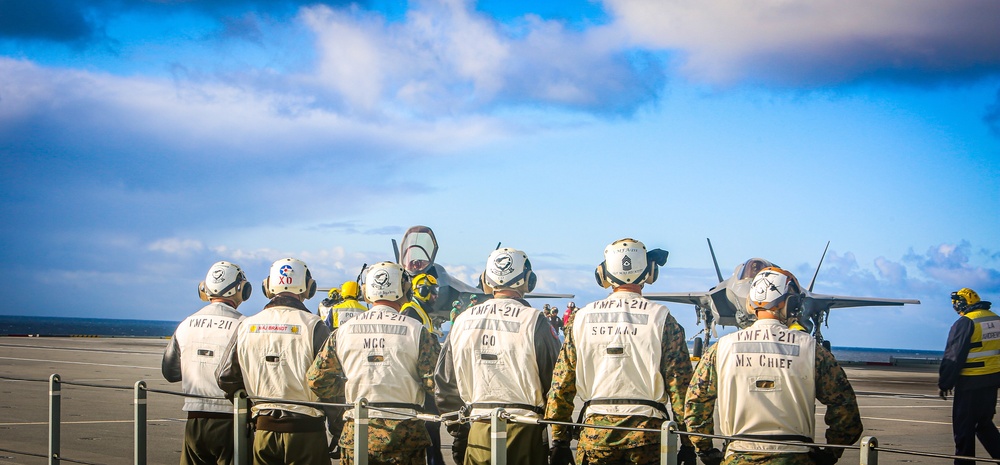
<point x="819" y="42"/>
<point x="447" y="59"/>
<point x="176" y="246"/>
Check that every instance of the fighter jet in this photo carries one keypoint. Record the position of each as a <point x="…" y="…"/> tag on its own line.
<point x="416" y="254"/>
<point x="724" y="303"/>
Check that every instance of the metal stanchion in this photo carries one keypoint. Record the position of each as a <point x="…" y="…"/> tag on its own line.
<point x="241" y="415"/>
<point x="869" y="450"/>
<point x="361" y="432"/>
<point x="498" y="438"/>
<point x="55" y="407"/>
<point x="140" y="423"/>
<point x="668" y="443"/>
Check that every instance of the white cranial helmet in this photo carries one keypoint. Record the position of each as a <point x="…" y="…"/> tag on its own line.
<point x="225" y="280"/>
<point x="289" y="275"/>
<point x="776" y="290"/>
<point x="625" y="262"/>
<point x="508" y="268"/>
<point x="386" y="281"/>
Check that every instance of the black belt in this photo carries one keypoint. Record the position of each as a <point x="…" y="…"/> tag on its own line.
<point x="492" y="405"/>
<point x="649" y="403"/>
<point x="395" y="405"/>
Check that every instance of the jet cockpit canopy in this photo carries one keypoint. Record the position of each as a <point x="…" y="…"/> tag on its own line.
<point x="419" y="247"/>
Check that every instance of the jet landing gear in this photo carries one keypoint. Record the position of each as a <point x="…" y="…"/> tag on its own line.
<point x="698" y="348"/>
<point x="701" y="343"/>
<point x="817" y="334"/>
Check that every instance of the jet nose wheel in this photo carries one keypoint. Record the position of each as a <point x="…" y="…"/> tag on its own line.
<point x="699" y="346"/>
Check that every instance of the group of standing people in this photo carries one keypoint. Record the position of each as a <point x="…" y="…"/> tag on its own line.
<point x="625" y="356"/>
<point x="559" y="323"/>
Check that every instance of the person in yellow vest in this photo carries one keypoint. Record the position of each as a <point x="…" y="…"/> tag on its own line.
<point x="349" y="307"/>
<point x="762" y="383"/>
<point x="425" y="292"/>
<point x="971" y="368"/>
<point x="326" y="306"/>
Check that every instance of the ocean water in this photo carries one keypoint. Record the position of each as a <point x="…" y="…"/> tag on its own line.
<point x="56" y="326"/>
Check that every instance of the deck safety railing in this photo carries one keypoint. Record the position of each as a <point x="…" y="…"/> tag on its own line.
<point x="499" y="419"/>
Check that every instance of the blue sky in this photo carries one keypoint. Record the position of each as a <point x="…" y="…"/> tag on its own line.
<point x="141" y="141"/>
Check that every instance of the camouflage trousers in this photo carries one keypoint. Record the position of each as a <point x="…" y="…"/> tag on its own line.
<point x="390" y="442"/>
<point x="642" y="455"/>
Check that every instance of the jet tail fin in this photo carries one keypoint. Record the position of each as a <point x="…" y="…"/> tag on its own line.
<point x="718" y="272"/>
<point x="813" y="282"/>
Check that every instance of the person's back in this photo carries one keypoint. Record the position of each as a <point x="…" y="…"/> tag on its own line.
<point x="349" y="307"/>
<point x="971" y="367"/>
<point x="193" y="356"/>
<point x="767" y="364"/>
<point x="627" y="358"/>
<point x="500" y="354"/>
<point x="763" y="381"/>
<point x="269" y="357"/>
<point x="386" y="358"/>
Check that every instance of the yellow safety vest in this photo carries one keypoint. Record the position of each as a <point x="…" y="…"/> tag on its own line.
<point x="984" y="355"/>
<point x="346" y="310"/>
<point x="424" y="318"/>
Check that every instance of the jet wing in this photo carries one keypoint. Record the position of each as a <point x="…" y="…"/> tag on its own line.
<point x="701" y="299"/>
<point x="837" y="301"/>
<point x="549" y="296"/>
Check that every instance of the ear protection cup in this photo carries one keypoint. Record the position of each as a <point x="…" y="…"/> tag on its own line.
<point x="960" y="304"/>
<point x="407" y="285"/>
<point x="201" y="291"/>
<point x="530" y="277"/>
<point x="311" y="284"/>
<point x="599" y="274"/>
<point x="652" y="273"/>
<point x="424" y="291"/>
<point x="246" y="291"/>
<point x="793" y="306"/>
<point x="484" y="284"/>
<point x="267" y="288"/>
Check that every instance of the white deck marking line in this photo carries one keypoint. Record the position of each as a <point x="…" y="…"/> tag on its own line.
<point x="909" y="421"/>
<point x="41" y="423"/>
<point x="78" y="363"/>
<point x="80" y="349"/>
<point x="907" y="406"/>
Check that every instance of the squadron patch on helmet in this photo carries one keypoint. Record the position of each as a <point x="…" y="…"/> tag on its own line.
<point x="218" y="275"/>
<point x="287" y="271"/>
<point x="504" y="264"/>
<point x="381" y="279"/>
